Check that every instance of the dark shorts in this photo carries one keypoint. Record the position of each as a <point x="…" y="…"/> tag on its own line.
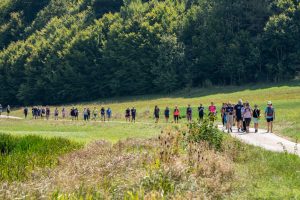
<point x="269" y="119"/>
<point x="176" y="117"/>
<point x="156" y="116"/>
<point x="239" y="118"/>
<point x="247" y="121"/>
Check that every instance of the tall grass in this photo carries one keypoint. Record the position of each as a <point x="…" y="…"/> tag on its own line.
<point x="21" y="155"/>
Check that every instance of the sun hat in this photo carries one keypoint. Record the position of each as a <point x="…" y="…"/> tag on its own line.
<point x="269" y="102"/>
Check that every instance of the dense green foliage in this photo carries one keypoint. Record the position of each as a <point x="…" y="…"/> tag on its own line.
<point x="55" y="51"/>
<point x="21" y="155"/>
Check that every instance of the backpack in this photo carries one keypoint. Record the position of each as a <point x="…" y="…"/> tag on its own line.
<point x="270" y="112"/>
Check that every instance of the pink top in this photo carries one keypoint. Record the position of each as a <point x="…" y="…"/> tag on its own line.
<point x="212" y="109"/>
<point x="247" y="113"/>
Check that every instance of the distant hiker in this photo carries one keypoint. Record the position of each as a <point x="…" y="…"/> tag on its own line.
<point x="176" y="114"/>
<point x="47" y="112"/>
<point x="64" y="112"/>
<point x="72" y="113"/>
<point x="238" y="115"/>
<point x="127" y="115"/>
<point x="95" y="113"/>
<point x="102" y="113"/>
<point x="43" y="112"/>
<point x="85" y="114"/>
<point x="201" y="112"/>
<point x="108" y="114"/>
<point x="247" y="115"/>
<point x="1" y="109"/>
<point x="76" y="113"/>
<point x="56" y="112"/>
<point x="89" y="113"/>
<point x="189" y="113"/>
<point x="8" y="110"/>
<point x="229" y="112"/>
<point x="156" y="114"/>
<point x="212" y="111"/>
<point x="256" y="117"/>
<point x="133" y="114"/>
<point x="223" y="113"/>
<point x="167" y="114"/>
<point x="25" y="111"/>
<point x="243" y="119"/>
<point x="270" y="116"/>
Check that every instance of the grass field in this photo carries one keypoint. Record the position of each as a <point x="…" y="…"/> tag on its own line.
<point x="285" y="98"/>
<point x="258" y="174"/>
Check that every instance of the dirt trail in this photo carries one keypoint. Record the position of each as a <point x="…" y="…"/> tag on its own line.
<point x="266" y="140"/>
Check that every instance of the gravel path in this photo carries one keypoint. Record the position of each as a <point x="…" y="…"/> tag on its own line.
<point x="266" y="140"/>
<point x="9" y="117"/>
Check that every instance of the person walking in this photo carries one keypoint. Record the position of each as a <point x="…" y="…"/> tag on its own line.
<point x="1" y="109"/>
<point x="95" y="113"/>
<point x="64" y="112"/>
<point x="127" y="114"/>
<point x="89" y="113"/>
<point x="47" y="112"/>
<point x="189" y="113"/>
<point x="176" y="114"/>
<point x="8" y="110"/>
<point x="256" y="117"/>
<point x="108" y="114"/>
<point x="25" y="111"/>
<point x="201" y="112"/>
<point x="85" y="114"/>
<point x="72" y="113"/>
<point x="238" y="115"/>
<point x="76" y="113"/>
<point x="270" y="116"/>
<point x="156" y="113"/>
<point x="229" y="112"/>
<point x="102" y="113"/>
<point x="133" y="114"/>
<point x="212" y="111"/>
<point x="223" y="114"/>
<point x="167" y="114"/>
<point x="247" y="115"/>
<point x="56" y="112"/>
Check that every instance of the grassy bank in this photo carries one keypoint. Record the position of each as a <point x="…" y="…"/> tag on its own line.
<point x="22" y="155"/>
<point x="179" y="164"/>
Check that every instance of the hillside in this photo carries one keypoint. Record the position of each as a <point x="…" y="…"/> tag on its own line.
<point x="56" y="51"/>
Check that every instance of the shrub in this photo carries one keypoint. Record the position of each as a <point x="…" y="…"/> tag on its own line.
<point x="205" y="131"/>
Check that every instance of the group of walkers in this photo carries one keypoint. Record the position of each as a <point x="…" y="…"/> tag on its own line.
<point x="45" y="112"/>
<point x="240" y="114"/>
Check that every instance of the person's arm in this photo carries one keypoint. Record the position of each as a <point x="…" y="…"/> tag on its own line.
<point x="273" y="114"/>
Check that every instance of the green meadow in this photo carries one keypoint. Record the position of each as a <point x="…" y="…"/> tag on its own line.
<point x="30" y="145"/>
<point x="285" y="98"/>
